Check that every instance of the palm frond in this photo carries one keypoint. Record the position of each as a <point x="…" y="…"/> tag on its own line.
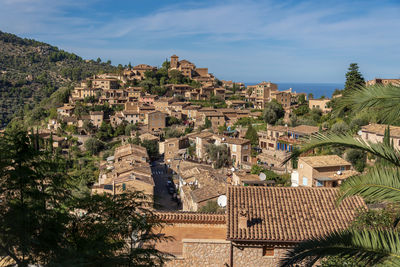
<point x="371" y="247"/>
<point x="382" y="101"/>
<point x="379" y="184"/>
<point x="380" y="150"/>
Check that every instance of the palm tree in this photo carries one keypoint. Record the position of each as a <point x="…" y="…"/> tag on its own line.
<point x="380" y="184"/>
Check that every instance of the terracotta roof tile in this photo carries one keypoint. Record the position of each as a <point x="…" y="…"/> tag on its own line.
<point x="379" y="129"/>
<point x="191" y="217"/>
<point x="325" y="161"/>
<point x="286" y="214"/>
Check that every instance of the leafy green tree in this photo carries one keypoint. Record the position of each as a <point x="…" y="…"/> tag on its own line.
<point x="93" y="146"/>
<point x="42" y="223"/>
<point x="207" y="123"/>
<point x="131" y="127"/>
<point x="120" y="129"/>
<point x="301" y="100"/>
<point x="273" y="111"/>
<point x="88" y="126"/>
<point x="171" y="133"/>
<point x="251" y="134"/>
<point x="340" y="127"/>
<point x="219" y="154"/>
<point x="211" y="206"/>
<point x="222" y="128"/>
<point x="173" y="120"/>
<point x="301" y="110"/>
<point x="354" y="78"/>
<point x="380" y="184"/>
<point x="33" y="188"/>
<point x="357" y="158"/>
<point x="152" y="148"/>
<point x="105" y="131"/>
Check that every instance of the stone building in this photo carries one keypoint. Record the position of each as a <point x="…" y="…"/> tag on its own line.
<point x="66" y="110"/>
<point x="138" y="72"/>
<point x="129" y="170"/>
<point x="214" y="116"/>
<point x="96" y="118"/>
<point x="188" y="69"/>
<point x="322" y="104"/>
<point x="202" y="140"/>
<point x="155" y="121"/>
<point x="198" y="183"/>
<point x="374" y="133"/>
<point x="105" y="84"/>
<point x="148" y="99"/>
<point x="175" y="147"/>
<point x="263" y="92"/>
<point x="253" y="231"/>
<point x="240" y="150"/>
<point x="318" y="171"/>
<point x="282" y="97"/>
<point x="162" y="104"/>
<point x="395" y="82"/>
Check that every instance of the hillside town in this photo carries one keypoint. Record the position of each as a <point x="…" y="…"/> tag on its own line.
<point x="214" y="157"/>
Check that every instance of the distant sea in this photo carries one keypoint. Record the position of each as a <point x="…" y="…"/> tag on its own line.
<point x="317" y="89"/>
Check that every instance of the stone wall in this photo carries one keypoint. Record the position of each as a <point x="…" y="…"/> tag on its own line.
<point x="204" y="253"/>
<point x="253" y="256"/>
<point x="208" y="252"/>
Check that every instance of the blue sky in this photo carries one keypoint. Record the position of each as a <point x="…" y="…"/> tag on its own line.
<point x="281" y="41"/>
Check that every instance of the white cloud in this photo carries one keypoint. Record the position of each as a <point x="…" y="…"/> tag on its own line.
<point x="248" y="38"/>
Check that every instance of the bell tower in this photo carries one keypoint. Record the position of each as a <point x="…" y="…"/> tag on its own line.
<point x="174" y="61"/>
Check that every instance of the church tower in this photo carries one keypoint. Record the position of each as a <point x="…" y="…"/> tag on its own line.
<point x="174" y="61"/>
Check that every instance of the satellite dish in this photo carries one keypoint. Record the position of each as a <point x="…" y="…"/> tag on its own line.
<point x="262" y="176"/>
<point x="222" y="201"/>
<point x="339" y="172"/>
<point x="359" y="132"/>
<point x="233" y="169"/>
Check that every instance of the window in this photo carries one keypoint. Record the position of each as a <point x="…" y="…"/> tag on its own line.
<point x="319" y="183"/>
<point x="305" y="181"/>
<point x="342" y="168"/>
<point x="268" y="251"/>
<point x="233" y="148"/>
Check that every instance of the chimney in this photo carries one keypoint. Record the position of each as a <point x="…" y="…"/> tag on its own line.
<point x="242" y="218"/>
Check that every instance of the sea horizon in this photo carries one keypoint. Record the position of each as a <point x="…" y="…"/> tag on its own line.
<point x="317" y="89"/>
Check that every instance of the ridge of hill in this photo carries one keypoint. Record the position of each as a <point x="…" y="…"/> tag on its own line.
<point x="31" y="71"/>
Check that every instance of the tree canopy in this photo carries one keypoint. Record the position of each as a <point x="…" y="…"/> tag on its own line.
<point x="42" y="223"/>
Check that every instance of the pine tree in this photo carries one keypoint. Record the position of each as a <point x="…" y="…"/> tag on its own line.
<point x="354" y="78"/>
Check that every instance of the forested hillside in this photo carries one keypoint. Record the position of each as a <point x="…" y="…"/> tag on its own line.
<point x="31" y="71"/>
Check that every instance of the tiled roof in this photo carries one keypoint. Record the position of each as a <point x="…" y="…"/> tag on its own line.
<point x="305" y="129"/>
<point x="286" y="214"/>
<point x="212" y="190"/>
<point x="191" y="217"/>
<point x="278" y="128"/>
<point x="229" y="140"/>
<point x="324" y="161"/>
<point x="380" y="129"/>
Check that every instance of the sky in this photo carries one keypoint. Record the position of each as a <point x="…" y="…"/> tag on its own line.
<point x="242" y="40"/>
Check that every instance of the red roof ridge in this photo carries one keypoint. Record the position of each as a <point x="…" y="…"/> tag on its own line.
<point x="191" y="217"/>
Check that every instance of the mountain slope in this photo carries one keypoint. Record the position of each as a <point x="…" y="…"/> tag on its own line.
<point x="31" y="71"/>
